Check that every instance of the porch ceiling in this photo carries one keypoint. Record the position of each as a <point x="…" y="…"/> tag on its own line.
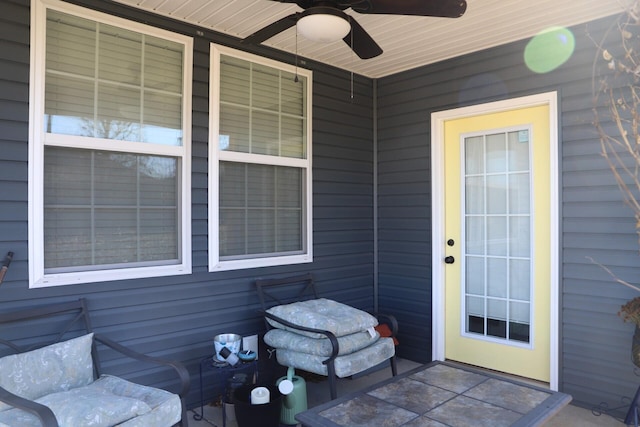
<point x="407" y="41"/>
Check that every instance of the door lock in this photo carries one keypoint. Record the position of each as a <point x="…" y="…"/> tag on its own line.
<point x="449" y="260"/>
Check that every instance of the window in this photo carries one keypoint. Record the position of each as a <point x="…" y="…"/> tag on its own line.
<point x="260" y="169"/>
<point x="109" y="155"/>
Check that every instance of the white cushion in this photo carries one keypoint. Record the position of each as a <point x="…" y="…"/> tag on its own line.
<point x="55" y="368"/>
<point x="346" y="365"/>
<point x="347" y="344"/>
<point x="325" y="314"/>
<point x="89" y="406"/>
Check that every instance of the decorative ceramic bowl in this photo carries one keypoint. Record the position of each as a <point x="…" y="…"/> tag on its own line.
<point x="247" y="355"/>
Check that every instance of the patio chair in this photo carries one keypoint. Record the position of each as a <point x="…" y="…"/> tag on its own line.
<point x="320" y="335"/>
<point x="51" y="375"/>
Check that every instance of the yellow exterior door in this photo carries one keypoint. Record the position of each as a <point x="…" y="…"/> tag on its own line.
<point x="497" y="230"/>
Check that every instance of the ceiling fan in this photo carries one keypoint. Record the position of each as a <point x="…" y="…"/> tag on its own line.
<point x="326" y="21"/>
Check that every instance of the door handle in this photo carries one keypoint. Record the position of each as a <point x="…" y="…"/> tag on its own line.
<point x="449" y="260"/>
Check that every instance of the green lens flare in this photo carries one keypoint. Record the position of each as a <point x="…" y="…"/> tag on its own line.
<point x="549" y="49"/>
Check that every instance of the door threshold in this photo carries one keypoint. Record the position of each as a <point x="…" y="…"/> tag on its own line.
<point x="506" y="375"/>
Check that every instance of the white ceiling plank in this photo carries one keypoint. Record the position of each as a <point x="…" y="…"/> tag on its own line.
<point x="408" y="41"/>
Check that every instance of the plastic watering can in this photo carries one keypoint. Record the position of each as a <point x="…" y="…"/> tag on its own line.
<point x="294" y="400"/>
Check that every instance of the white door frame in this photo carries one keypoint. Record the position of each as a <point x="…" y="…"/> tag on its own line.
<point x="438" y="120"/>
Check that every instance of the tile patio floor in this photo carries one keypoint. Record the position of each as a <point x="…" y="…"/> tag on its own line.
<point x="318" y="393"/>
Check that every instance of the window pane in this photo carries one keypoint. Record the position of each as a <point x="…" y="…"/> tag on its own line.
<point x="162" y="119"/>
<point x="69" y="106"/>
<point x="109" y="82"/>
<point x="261" y="209"/>
<point x="118" y="115"/>
<point x="234" y="129"/>
<point x="162" y="65"/>
<point x="288" y="236"/>
<point x="70" y="44"/>
<point x="265" y="88"/>
<point x="265" y="133"/>
<point x="119" y="55"/>
<point x="261" y="186"/>
<point x="261" y="228"/>
<point x="262" y="109"/>
<point x="67" y="240"/>
<point x="234" y="80"/>
<point x="105" y="208"/>
<point x="293" y="135"/>
<point x="232" y="231"/>
<point x="232" y="185"/>
<point x="293" y="98"/>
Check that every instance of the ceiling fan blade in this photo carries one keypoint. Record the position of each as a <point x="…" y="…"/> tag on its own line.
<point x="361" y="42"/>
<point x="272" y="29"/>
<point x="438" y="8"/>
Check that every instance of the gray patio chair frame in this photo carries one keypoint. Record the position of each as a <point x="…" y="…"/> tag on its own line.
<point x="286" y="290"/>
<point x="75" y="320"/>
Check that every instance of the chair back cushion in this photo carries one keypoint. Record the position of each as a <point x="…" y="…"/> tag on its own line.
<point x="55" y="368"/>
<point x="325" y="314"/>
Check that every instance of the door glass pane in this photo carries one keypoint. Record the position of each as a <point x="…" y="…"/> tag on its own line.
<point x="475" y="195"/>
<point x="474" y="161"/>
<point x="497" y="194"/>
<point x="475" y="242"/>
<point x="475" y="275"/>
<point x="497" y="235"/>
<point x="497" y="277"/>
<point x="496" y="154"/>
<point x="497" y="212"/>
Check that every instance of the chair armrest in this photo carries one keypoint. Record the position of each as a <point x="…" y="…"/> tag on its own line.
<point x="390" y="320"/>
<point x="330" y="335"/>
<point x="178" y="367"/>
<point x="44" y="414"/>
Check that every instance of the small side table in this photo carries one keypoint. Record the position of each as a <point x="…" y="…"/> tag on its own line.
<point x="222" y="371"/>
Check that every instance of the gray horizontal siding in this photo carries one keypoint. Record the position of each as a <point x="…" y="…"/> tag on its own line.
<point x="177" y="317"/>
<point x="595" y="345"/>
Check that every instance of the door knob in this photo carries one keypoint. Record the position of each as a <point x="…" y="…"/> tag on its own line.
<point x="449" y="260"/>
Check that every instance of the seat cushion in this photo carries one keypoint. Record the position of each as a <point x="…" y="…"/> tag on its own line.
<point x="55" y="368"/>
<point x="325" y="314"/>
<point x="166" y="408"/>
<point x="109" y="401"/>
<point x="346" y="365"/>
<point x="347" y="344"/>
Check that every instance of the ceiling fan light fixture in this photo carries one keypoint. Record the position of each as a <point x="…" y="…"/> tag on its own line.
<point x="323" y="27"/>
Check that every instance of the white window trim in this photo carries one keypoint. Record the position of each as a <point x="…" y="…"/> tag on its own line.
<point x="215" y="156"/>
<point x="37" y="138"/>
